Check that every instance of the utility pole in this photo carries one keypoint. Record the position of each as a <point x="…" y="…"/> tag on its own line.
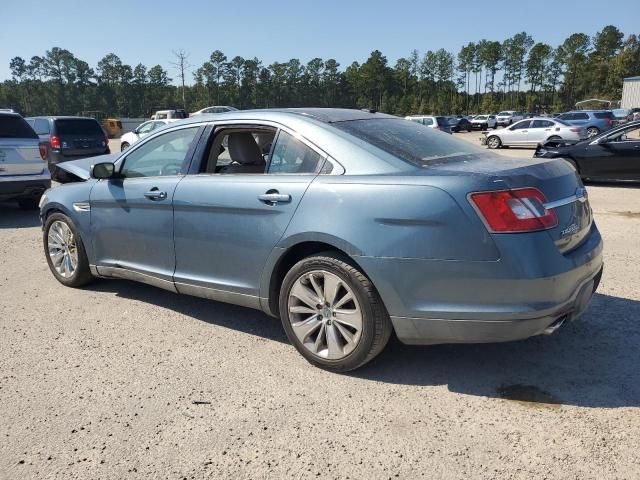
<point x="182" y="65"/>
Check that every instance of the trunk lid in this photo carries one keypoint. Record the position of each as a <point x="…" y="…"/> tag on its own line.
<point x="555" y="178"/>
<point x="20" y="156"/>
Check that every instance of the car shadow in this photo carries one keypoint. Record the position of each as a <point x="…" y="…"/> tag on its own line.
<point x="13" y="217"/>
<point x="242" y="319"/>
<point x="594" y="362"/>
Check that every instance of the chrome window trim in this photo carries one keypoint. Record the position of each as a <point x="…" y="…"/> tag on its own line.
<point x="337" y="170"/>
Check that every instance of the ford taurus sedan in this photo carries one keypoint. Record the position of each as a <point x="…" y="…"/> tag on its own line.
<point x="345" y="224"/>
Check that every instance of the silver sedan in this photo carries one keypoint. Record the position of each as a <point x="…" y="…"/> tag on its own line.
<point x="534" y="131"/>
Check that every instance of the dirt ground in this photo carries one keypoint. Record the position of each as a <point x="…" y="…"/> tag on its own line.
<point x="121" y="380"/>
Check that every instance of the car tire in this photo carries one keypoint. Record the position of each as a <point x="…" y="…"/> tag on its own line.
<point x="469" y="129"/>
<point x="554" y="137"/>
<point x="29" y="203"/>
<point x="494" y="142"/>
<point x="592" y="132"/>
<point x="61" y="235"/>
<point x="327" y="335"/>
<point x="124" y="146"/>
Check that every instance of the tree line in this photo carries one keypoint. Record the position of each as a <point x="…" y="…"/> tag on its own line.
<point x="485" y="76"/>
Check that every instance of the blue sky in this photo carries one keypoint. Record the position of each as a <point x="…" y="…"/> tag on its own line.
<point x="147" y="31"/>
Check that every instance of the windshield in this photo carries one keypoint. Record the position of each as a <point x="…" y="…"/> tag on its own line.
<point x="408" y="141"/>
<point x="504" y="113"/>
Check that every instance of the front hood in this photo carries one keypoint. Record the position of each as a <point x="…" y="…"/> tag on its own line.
<point x="82" y="168"/>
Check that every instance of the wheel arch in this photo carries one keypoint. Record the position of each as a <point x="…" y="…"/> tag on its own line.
<point x="285" y="257"/>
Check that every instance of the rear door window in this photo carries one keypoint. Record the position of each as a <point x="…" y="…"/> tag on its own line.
<point x="12" y="126"/>
<point x="542" y="124"/>
<point x="78" y="127"/>
<point x="580" y="116"/>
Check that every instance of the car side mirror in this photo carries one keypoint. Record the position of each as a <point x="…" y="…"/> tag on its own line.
<point x="104" y="170"/>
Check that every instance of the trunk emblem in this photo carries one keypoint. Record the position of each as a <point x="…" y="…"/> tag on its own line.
<point x="570" y="230"/>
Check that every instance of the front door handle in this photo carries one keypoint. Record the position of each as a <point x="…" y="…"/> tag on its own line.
<point x="155" y="194"/>
<point x="273" y="197"/>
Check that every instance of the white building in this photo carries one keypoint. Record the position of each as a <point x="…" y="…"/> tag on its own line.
<point x="630" y="93"/>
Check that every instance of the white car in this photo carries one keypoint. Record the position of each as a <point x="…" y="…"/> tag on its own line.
<point x="214" y="109"/>
<point x="534" y="131"/>
<point x="484" y="122"/>
<point x="507" y="117"/>
<point x="142" y="130"/>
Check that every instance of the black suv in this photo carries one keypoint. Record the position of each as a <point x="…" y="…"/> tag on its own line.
<point x="70" y="138"/>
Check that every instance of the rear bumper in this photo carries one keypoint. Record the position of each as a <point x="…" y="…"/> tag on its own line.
<point x="16" y="187"/>
<point x="445" y="301"/>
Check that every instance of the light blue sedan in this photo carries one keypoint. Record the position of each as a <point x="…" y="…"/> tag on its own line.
<point x="347" y="225"/>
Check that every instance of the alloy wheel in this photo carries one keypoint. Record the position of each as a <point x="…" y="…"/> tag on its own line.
<point x="61" y="244"/>
<point x="325" y="314"/>
<point x="493" y="142"/>
<point x="592" y="132"/>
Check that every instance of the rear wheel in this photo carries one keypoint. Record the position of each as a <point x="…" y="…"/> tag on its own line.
<point x="554" y="137"/>
<point x="29" y="203"/>
<point x="592" y="131"/>
<point x="332" y="313"/>
<point x="65" y="252"/>
<point x="494" y="142"/>
<point x="124" y="146"/>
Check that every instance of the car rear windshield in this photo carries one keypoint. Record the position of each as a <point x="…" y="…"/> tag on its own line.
<point x="12" y="126"/>
<point x="603" y="115"/>
<point x="408" y="140"/>
<point x="78" y="126"/>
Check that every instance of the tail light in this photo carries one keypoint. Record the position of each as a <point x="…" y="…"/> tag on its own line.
<point x="512" y="211"/>
<point x="105" y="141"/>
<point x="54" y="140"/>
<point x="609" y="122"/>
<point x="44" y="153"/>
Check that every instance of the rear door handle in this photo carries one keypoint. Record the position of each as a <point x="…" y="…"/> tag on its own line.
<point x="155" y="194"/>
<point x="274" y="197"/>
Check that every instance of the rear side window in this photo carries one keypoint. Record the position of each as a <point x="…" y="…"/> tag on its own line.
<point x="290" y="155"/>
<point x="41" y="126"/>
<point x="542" y="124"/>
<point x="602" y="115"/>
<point x="408" y="141"/>
<point x="78" y="127"/>
<point x="580" y="116"/>
<point x="15" y="127"/>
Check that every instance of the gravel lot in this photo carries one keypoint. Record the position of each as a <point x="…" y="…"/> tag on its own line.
<point x="121" y="380"/>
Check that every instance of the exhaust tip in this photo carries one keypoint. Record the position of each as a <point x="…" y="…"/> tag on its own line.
<point x="555" y="325"/>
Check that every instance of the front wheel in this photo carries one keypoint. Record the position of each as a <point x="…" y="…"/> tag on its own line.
<point x="494" y="142"/>
<point x="332" y="313"/>
<point x="65" y="252"/>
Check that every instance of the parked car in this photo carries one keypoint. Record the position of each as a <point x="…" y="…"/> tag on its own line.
<point x="69" y="138"/>
<point x="484" y="122"/>
<point x="175" y="114"/>
<point x="140" y="131"/>
<point x="532" y="132"/>
<point x="508" y="117"/>
<point x="214" y="109"/>
<point x="611" y="155"/>
<point x="459" y="124"/>
<point x="437" y="123"/>
<point x="593" y="121"/>
<point x="295" y="233"/>
<point x="23" y="169"/>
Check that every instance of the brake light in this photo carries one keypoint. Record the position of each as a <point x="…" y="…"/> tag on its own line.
<point x="105" y="141"/>
<point x="43" y="150"/>
<point x="55" y="142"/>
<point x="609" y="122"/>
<point x="512" y="211"/>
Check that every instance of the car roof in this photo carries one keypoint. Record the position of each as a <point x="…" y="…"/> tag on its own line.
<point x="62" y="117"/>
<point x="10" y="114"/>
<point x="324" y="115"/>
